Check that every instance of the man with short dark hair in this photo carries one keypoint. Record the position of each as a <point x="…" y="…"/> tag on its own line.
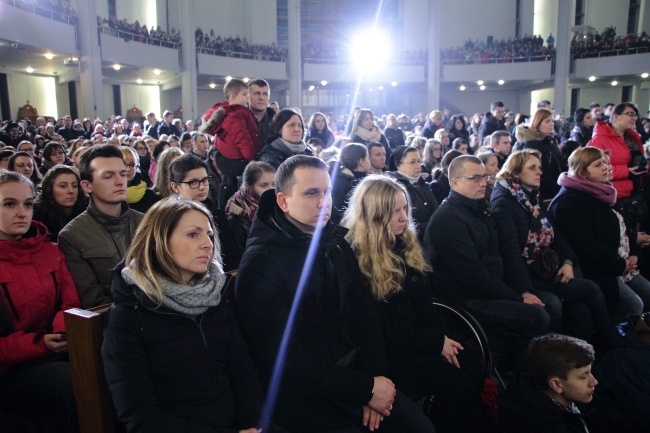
<point x="95" y="241"/>
<point x="258" y="103"/>
<point x="462" y="243"/>
<point x="151" y="125"/>
<point x="200" y="145"/>
<point x="493" y="120"/>
<point x="166" y="127"/>
<point x="607" y="112"/>
<point x="67" y="131"/>
<point x="501" y="146"/>
<point x="298" y="273"/>
<point x="595" y="110"/>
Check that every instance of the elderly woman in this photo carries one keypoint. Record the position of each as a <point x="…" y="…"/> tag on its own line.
<point x="585" y="211"/>
<point x="138" y="195"/>
<point x="540" y="135"/>
<point x="285" y="140"/>
<point x="537" y="256"/>
<point x="405" y="168"/>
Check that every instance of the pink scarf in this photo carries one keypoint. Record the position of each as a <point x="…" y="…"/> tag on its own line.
<point x="604" y="192"/>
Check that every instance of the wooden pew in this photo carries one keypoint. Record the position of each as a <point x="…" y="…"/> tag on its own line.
<point x="85" y="335"/>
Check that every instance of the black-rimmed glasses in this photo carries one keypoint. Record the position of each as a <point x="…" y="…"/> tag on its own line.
<point x="194" y="183"/>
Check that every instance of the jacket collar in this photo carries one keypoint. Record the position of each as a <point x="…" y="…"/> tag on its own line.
<point x="112" y="224"/>
<point x="475" y="206"/>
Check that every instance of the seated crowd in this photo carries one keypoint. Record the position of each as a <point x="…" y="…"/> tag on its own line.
<point x="340" y="243"/>
<point x="517" y="49"/>
<point x="139" y="33"/>
<point x="236" y="47"/>
<point x="593" y="44"/>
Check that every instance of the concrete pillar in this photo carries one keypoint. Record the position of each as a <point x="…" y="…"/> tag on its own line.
<point x="189" y="86"/>
<point x="90" y="61"/>
<point x="295" y="56"/>
<point x="433" y="63"/>
<point x="562" y="102"/>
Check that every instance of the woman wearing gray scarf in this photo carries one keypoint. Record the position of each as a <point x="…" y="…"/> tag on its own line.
<point x="173" y="354"/>
<point x="285" y="140"/>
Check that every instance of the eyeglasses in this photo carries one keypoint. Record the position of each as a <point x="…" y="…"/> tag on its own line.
<point x="140" y="148"/>
<point x="132" y="165"/>
<point x="27" y="149"/>
<point x="476" y="178"/>
<point x="632" y="114"/>
<point x="194" y="183"/>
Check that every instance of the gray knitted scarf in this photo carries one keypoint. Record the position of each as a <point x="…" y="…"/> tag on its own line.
<point x="193" y="298"/>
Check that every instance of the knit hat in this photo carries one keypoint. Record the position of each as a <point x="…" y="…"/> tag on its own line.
<point x="396" y="156"/>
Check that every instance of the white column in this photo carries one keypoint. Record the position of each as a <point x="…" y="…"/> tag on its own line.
<point x="562" y="101"/>
<point x="433" y="62"/>
<point x="189" y="86"/>
<point x="295" y="57"/>
<point x="91" y="103"/>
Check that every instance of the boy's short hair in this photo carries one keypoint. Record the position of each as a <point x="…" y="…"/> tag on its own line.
<point x="101" y="151"/>
<point x="556" y="355"/>
<point x="284" y="176"/>
<point x="233" y="87"/>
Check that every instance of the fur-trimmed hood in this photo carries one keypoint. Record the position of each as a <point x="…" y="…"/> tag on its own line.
<point x="213" y="117"/>
<point x="525" y="133"/>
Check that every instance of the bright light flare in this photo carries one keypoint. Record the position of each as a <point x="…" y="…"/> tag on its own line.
<point x="592" y="78"/>
<point x="462" y="88"/>
<point x="614" y="83"/>
<point x="644" y="75"/>
<point x="369" y="48"/>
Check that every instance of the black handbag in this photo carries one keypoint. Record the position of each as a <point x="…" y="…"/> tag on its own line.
<point x="634" y="208"/>
<point x="546" y="265"/>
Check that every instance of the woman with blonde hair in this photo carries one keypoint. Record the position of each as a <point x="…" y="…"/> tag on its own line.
<point x="422" y="359"/>
<point x="173" y="354"/>
<point x="161" y="185"/>
<point x="138" y="195"/>
<point x="538" y="257"/>
<point x="585" y="211"/>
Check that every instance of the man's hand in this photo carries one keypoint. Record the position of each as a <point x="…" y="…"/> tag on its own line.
<point x="54" y="343"/>
<point x="450" y="350"/>
<point x="531" y="299"/>
<point x="383" y="396"/>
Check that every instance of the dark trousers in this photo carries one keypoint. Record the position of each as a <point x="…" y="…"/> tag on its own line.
<point x="228" y="188"/>
<point x="41" y="389"/>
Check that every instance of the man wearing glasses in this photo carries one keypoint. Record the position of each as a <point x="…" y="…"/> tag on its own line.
<point x="462" y="243"/>
<point x="95" y="241"/>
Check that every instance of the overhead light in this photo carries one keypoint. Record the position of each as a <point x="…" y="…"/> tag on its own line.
<point x="48" y="56"/>
<point x="323" y="83"/>
<point x="246" y="79"/>
<point x="117" y="67"/>
<point x="614" y="83"/>
<point x="381" y="87"/>
<point x="501" y="82"/>
<point x="139" y="81"/>
<point x="312" y="87"/>
<point x="212" y="85"/>
<point x="480" y="82"/>
<point x="156" y="71"/>
<point x="29" y="70"/>
<point x="347" y="95"/>
<point x="644" y="75"/>
<point x="393" y="83"/>
<point x="462" y="88"/>
<point x="228" y="78"/>
<point x="592" y="78"/>
<point x="482" y="87"/>
<point x="370" y="90"/>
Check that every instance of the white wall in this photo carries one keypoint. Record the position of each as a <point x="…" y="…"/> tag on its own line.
<point x="415" y="24"/>
<point x="226" y="17"/>
<point x="540" y="95"/>
<point x="545" y="18"/>
<point x="479" y="101"/>
<point x="603" y="95"/>
<point x="464" y="19"/>
<point x="146" y="98"/>
<point x="207" y="98"/>
<point x="145" y="11"/>
<point x="602" y="13"/>
<point x="526" y="17"/>
<point x="63" y="99"/>
<point x="39" y="91"/>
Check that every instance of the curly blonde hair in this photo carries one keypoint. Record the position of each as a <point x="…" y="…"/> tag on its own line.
<point x="368" y="218"/>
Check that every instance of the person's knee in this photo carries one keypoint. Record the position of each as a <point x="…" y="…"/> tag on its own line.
<point x="538" y="322"/>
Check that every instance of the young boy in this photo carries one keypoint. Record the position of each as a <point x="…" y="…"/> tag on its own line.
<point x="545" y="400"/>
<point x="236" y="135"/>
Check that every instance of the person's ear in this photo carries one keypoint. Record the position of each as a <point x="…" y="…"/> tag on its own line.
<point x="555" y="384"/>
<point x="174" y="186"/>
<point x="281" y="200"/>
<point x="86" y="186"/>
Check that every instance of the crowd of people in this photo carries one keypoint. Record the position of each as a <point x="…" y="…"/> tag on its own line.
<point x="237" y="47"/>
<point x="594" y="44"/>
<point x="139" y="33"/>
<point x="523" y="49"/>
<point x="60" y="10"/>
<point x="340" y="238"/>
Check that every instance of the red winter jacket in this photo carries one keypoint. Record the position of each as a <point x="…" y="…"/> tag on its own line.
<point x="36" y="288"/>
<point x="235" y="129"/>
<point x="606" y="138"/>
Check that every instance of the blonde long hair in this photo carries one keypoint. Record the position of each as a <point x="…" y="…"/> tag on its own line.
<point x="150" y="250"/>
<point x="368" y="217"/>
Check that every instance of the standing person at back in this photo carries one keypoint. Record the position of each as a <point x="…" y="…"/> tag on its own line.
<point x="260" y="94"/>
<point x="493" y="120"/>
<point x="95" y="241"/>
<point x="237" y="138"/>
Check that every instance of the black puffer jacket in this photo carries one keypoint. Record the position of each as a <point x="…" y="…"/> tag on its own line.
<point x="169" y="372"/>
<point x="581" y="135"/>
<point x="342" y="189"/>
<point x="423" y="202"/>
<point x="335" y="310"/>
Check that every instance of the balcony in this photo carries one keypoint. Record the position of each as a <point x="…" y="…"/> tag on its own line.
<point x="119" y="46"/>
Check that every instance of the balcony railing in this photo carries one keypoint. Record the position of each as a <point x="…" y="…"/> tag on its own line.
<point x="41" y="11"/>
<point x="344" y="60"/>
<point x="610" y="52"/>
<point x="239" y="55"/>
<point x="480" y="61"/>
<point x="130" y="36"/>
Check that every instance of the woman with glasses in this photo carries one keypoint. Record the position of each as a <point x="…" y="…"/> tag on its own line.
<point x="620" y="139"/>
<point x="53" y="154"/>
<point x="537" y="256"/>
<point x="405" y="167"/>
<point x="145" y="159"/>
<point x="138" y="195"/>
<point x="432" y="155"/>
<point x="491" y="163"/>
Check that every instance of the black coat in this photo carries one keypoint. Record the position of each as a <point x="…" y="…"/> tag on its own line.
<point x="461" y="241"/>
<point x="592" y="229"/>
<point x="342" y="188"/>
<point x="513" y="222"/>
<point x="276" y="152"/>
<point x="489" y="125"/>
<point x="394" y="136"/>
<point x="170" y="372"/>
<point x="429" y="129"/>
<point x="552" y="163"/>
<point x="335" y="310"/>
<point x="440" y="187"/>
<point x="581" y="135"/>
<point x="423" y="202"/>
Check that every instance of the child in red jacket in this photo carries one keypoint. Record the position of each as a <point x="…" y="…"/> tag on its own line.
<point x="236" y="136"/>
